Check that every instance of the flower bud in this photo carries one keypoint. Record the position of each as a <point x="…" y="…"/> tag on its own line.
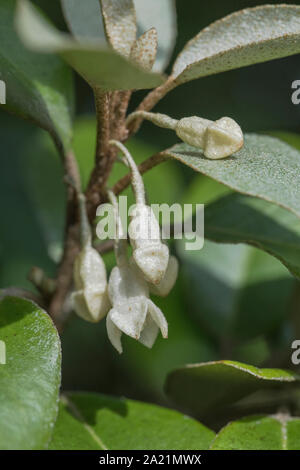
<point x="149" y="253"/>
<point x="90" y="297"/>
<point x="218" y="139"/>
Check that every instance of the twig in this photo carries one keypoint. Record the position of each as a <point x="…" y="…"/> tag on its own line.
<point x="150" y="101"/>
<point x="71" y="244"/>
<point x="105" y="155"/>
<point x="143" y="167"/>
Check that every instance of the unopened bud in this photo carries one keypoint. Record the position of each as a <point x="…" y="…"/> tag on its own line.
<point x="90" y="297"/>
<point x="217" y="139"/>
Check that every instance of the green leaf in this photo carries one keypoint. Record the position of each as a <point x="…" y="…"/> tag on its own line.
<point x="84" y="18"/>
<point x="242" y="219"/>
<point x="85" y="21"/>
<point x="89" y="421"/>
<point x="38" y="88"/>
<point x="99" y="65"/>
<point x="243" y="38"/>
<point x="276" y="432"/>
<point x="120" y="24"/>
<point x="207" y="388"/>
<point x="30" y="379"/>
<point x="265" y="168"/>
<point x="236" y="292"/>
<point x="21" y="242"/>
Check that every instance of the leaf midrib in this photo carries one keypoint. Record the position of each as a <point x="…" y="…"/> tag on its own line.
<point x="75" y="411"/>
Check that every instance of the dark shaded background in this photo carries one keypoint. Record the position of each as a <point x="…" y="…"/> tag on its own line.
<point x="31" y="192"/>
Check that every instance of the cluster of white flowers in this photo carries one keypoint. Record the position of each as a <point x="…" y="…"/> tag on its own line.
<point x="125" y="299"/>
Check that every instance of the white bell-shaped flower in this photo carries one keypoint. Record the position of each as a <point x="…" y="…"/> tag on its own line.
<point x="90" y="297"/>
<point x="132" y="312"/>
<point x="149" y="253"/>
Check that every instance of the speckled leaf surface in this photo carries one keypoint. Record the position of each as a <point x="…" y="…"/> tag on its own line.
<point x="37" y="87"/>
<point x="241" y="219"/>
<point x="90" y="421"/>
<point x="243" y="38"/>
<point x="97" y="63"/>
<point x="162" y="16"/>
<point x="30" y="379"/>
<point x="120" y="24"/>
<point x="85" y="21"/>
<point x="277" y="432"/>
<point x="206" y="387"/>
<point x="145" y="49"/>
<point x="265" y="167"/>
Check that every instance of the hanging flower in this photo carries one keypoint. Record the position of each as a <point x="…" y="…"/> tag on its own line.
<point x="90" y="298"/>
<point x="132" y="312"/>
<point x="149" y="253"/>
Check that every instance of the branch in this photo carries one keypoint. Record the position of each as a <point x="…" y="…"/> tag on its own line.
<point x="105" y="155"/>
<point x="71" y="244"/>
<point x="143" y="167"/>
<point x="150" y="101"/>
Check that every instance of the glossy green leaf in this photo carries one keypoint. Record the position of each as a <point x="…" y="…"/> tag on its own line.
<point x="85" y="21"/>
<point x="236" y="292"/>
<point x="242" y="219"/>
<point x="98" y="64"/>
<point x="120" y="24"/>
<point x="38" y="88"/>
<point x="265" y="168"/>
<point x="30" y="379"/>
<point x="243" y="38"/>
<point x="207" y="388"/>
<point x="89" y="421"/>
<point x="275" y="432"/>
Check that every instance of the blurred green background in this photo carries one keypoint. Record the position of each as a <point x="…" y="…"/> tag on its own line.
<point x="219" y="308"/>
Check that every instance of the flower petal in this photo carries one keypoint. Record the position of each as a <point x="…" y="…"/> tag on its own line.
<point x="114" y="334"/>
<point x="130" y="316"/>
<point x="167" y="283"/>
<point x="152" y="259"/>
<point x="149" y="333"/>
<point x="158" y="317"/>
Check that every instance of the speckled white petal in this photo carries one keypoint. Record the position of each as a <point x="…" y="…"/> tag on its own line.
<point x="98" y="303"/>
<point x="149" y="333"/>
<point x="114" y="334"/>
<point x="124" y="283"/>
<point x="223" y="138"/>
<point x="168" y="281"/>
<point x="158" y="317"/>
<point x="152" y="260"/>
<point x="192" y="130"/>
<point x="130" y="316"/>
